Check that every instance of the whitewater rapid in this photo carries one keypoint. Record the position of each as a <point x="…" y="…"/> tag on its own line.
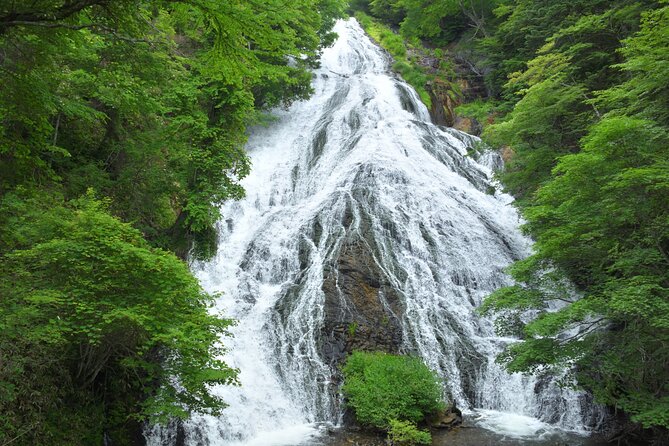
<point x="361" y="161"/>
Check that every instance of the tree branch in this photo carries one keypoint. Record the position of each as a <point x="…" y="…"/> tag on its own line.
<point x="94" y="26"/>
<point x="582" y="331"/>
<point x="19" y="435"/>
<point x="68" y="9"/>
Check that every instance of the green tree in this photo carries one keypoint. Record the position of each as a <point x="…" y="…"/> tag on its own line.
<point x="148" y="102"/>
<point x="390" y="11"/>
<point x="554" y="106"/>
<point x="91" y="316"/>
<point x="644" y="91"/>
<point x="434" y="20"/>
<point x="600" y="221"/>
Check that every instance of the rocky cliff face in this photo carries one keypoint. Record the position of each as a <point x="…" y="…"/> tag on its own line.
<point x="444" y="100"/>
<point x="361" y="306"/>
<point x="445" y="94"/>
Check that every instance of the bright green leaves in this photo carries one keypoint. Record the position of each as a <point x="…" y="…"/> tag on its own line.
<point x="434" y="20"/>
<point x="645" y="92"/>
<point x="437" y="21"/>
<point x="149" y="102"/>
<point x="514" y="298"/>
<point x="601" y="220"/>
<point x="590" y="141"/>
<point x="546" y="123"/>
<point x="405" y="433"/>
<point x="644" y="297"/>
<point x="564" y="61"/>
<point x="93" y="292"/>
<point x="391" y="392"/>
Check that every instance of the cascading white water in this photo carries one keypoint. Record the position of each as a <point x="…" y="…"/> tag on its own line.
<point x="361" y="161"/>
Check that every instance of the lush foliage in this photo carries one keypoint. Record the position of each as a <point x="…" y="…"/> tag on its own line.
<point x="591" y="140"/>
<point x="438" y="21"/>
<point x="556" y="89"/>
<point x="405" y="433"/>
<point x="143" y="104"/>
<point x="148" y="101"/>
<point x="591" y="168"/>
<point x="88" y="310"/>
<point x="404" y="55"/>
<point x="479" y="109"/>
<point x="391" y="392"/>
<point x="580" y="100"/>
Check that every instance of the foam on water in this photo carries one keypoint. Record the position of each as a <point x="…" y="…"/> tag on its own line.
<point x="512" y="424"/>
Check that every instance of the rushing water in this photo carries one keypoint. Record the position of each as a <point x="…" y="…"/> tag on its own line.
<point x="361" y="160"/>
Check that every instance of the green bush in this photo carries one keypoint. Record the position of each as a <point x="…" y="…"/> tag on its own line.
<point x="381" y="388"/>
<point x="393" y="43"/>
<point x="479" y="109"/>
<point x="405" y="433"/>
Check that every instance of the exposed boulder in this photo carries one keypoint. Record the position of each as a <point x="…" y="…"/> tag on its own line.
<point x="448" y="418"/>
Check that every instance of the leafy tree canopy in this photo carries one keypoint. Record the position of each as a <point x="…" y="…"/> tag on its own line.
<point x="148" y="101"/>
<point x="595" y="196"/>
<point x="91" y="311"/>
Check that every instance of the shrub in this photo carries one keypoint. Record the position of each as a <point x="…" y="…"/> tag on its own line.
<point x="479" y="109"/>
<point x="380" y="388"/>
<point x="405" y="433"/>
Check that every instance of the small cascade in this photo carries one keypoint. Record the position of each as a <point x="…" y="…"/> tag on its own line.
<point x="364" y="226"/>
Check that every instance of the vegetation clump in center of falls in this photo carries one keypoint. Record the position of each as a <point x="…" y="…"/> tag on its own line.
<point x="392" y="393"/>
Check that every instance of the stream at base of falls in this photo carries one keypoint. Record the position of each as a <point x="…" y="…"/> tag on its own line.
<point x="481" y="428"/>
<point x="366" y="227"/>
<point x="485" y="428"/>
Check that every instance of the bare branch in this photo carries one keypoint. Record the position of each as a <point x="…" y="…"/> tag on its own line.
<point x="589" y="328"/>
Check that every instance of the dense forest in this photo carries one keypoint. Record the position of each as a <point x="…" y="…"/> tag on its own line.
<point x="122" y="127"/>
<point x="577" y="94"/>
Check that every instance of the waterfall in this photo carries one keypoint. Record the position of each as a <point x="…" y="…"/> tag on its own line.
<point x="364" y="225"/>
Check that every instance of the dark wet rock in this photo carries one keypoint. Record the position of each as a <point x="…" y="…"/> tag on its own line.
<point x="467" y="84"/>
<point x="447" y="419"/>
<point x="405" y="98"/>
<point x="467" y="124"/>
<point x="442" y="110"/>
<point x="361" y="306"/>
<point x="349" y="437"/>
